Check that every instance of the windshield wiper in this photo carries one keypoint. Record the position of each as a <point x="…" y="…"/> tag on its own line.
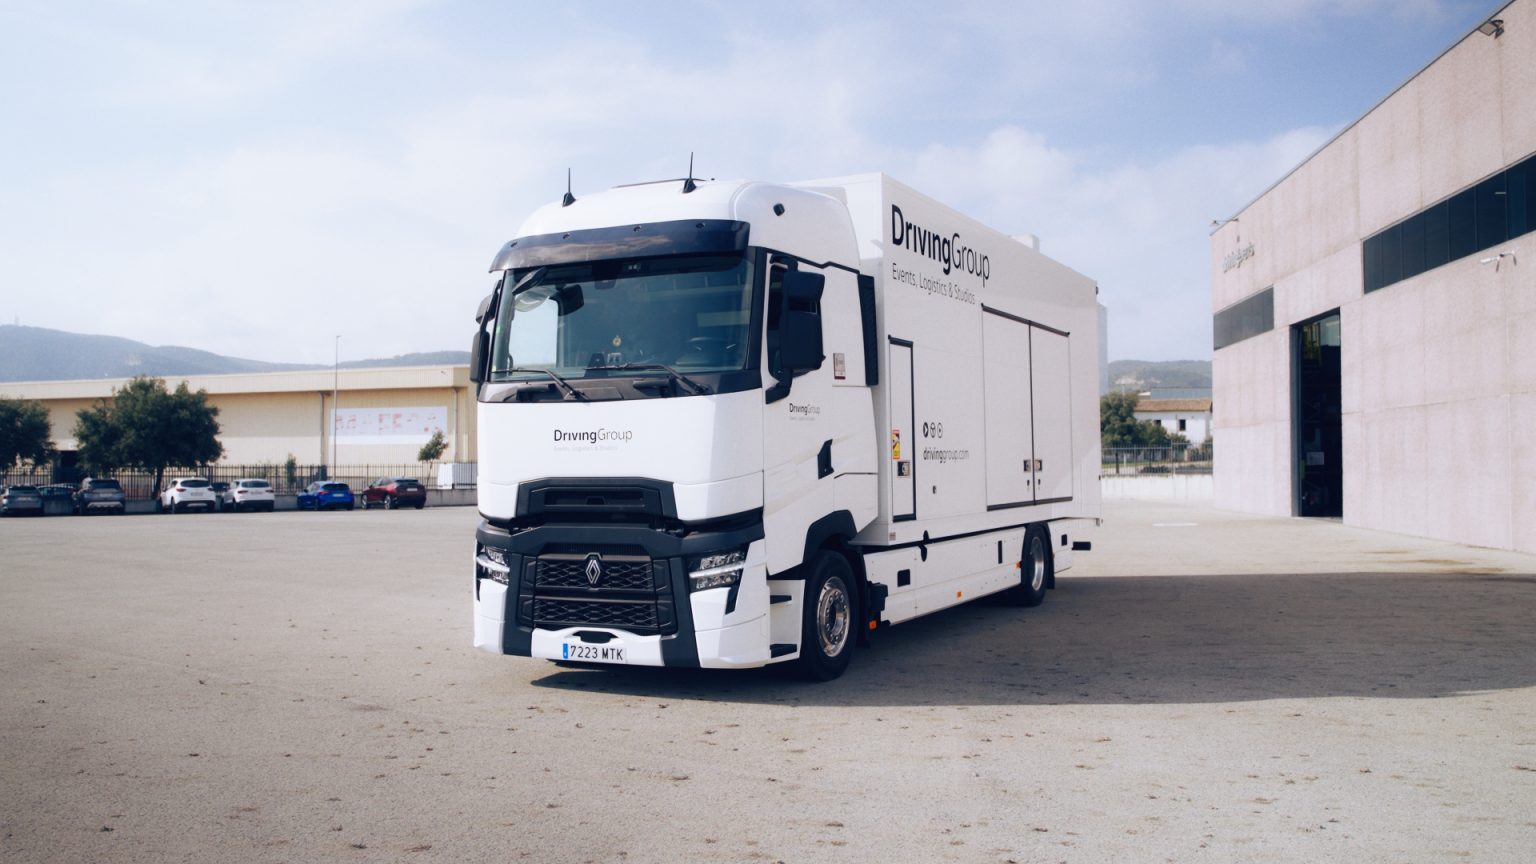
<point x="530" y="280"/>
<point x="571" y="392"/>
<point x="677" y="376"/>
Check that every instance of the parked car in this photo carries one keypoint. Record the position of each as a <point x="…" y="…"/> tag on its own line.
<point x="249" y="493"/>
<point x="58" y="499"/>
<point x="219" y="487"/>
<point x="182" y="493"/>
<point x="326" y="495"/>
<point x="395" y="492"/>
<point x="21" y="498"/>
<point x="99" y="495"/>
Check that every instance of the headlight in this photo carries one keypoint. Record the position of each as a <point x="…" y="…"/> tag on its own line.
<point x="716" y="571"/>
<point x="491" y="563"/>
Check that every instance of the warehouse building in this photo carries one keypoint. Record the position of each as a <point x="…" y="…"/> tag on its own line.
<point x="351" y="417"/>
<point x="1375" y="311"/>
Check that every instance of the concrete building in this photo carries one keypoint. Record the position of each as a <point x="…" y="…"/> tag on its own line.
<point x="379" y="416"/>
<point x="1375" y="311"/>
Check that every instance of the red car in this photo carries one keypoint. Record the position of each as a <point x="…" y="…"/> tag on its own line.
<point x="394" y="493"/>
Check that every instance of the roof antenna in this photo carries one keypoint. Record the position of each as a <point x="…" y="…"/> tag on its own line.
<point x="689" y="185"/>
<point x="569" y="199"/>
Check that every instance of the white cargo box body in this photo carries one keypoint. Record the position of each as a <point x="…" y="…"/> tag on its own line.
<point x="989" y="376"/>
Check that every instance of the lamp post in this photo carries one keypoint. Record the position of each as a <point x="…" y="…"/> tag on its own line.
<point x="335" y="414"/>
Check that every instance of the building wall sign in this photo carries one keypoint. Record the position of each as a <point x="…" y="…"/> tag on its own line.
<point x="389" y="425"/>
<point x="1236" y="259"/>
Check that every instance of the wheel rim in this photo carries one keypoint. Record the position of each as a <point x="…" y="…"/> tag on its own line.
<point x="1036" y="564"/>
<point x="832" y="617"/>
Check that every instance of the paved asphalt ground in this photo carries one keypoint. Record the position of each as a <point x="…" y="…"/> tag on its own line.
<point x="1205" y="687"/>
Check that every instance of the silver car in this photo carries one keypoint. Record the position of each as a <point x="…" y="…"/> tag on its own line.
<point x="21" y="499"/>
<point x="100" y="495"/>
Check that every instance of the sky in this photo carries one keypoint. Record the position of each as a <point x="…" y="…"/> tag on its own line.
<point x="257" y="178"/>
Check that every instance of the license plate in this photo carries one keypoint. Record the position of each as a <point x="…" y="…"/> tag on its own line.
<point x="592" y="653"/>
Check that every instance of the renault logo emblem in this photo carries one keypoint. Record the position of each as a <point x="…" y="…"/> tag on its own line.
<point x="594" y="569"/>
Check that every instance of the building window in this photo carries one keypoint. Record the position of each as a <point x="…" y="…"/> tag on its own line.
<point x="1182" y="425"/>
<point x="1494" y="210"/>
<point x="1245" y="318"/>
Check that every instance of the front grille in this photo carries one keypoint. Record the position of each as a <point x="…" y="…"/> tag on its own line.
<point x="614" y="574"/>
<point x="636" y="615"/>
<point x="598" y="588"/>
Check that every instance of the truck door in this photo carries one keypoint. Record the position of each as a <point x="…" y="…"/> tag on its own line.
<point x="903" y="443"/>
<point x="1050" y="377"/>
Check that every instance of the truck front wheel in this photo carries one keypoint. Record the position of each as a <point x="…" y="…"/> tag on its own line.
<point x="826" y="633"/>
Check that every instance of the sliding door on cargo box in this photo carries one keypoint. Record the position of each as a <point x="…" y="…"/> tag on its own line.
<point x="1028" y="385"/>
<point x="903" y="443"/>
<point x="1005" y="383"/>
<point x="1050" y="383"/>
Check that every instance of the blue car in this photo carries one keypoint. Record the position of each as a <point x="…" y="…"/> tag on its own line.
<point x="326" y="495"/>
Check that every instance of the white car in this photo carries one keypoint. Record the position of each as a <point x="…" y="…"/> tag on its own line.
<point x="184" y="492"/>
<point x="249" y="493"/>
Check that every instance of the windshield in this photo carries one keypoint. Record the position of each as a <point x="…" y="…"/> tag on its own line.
<point x="690" y="313"/>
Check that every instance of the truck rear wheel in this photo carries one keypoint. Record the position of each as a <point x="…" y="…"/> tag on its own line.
<point x="827" y="618"/>
<point x="1035" y="570"/>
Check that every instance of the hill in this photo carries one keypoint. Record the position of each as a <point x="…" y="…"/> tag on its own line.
<point x="1142" y="375"/>
<point x="40" y="354"/>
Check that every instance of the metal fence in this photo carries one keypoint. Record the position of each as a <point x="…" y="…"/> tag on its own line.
<point x="1175" y="459"/>
<point x="285" y="479"/>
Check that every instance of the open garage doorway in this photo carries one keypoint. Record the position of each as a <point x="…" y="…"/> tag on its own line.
<point x="1316" y="402"/>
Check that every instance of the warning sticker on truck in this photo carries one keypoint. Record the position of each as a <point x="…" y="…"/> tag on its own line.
<point x="896" y="445"/>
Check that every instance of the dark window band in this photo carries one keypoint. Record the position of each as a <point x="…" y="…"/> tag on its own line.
<point x="1492" y="211"/>
<point x="1243" y="319"/>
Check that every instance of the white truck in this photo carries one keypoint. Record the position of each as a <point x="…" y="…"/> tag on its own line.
<point x="728" y="424"/>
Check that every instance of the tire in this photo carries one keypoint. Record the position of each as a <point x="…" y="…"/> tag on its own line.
<point x="829" y="615"/>
<point x="1036" y="570"/>
<point x="390" y="503"/>
<point x="175" y="506"/>
<point x="349" y="505"/>
<point x="367" y="504"/>
<point x="420" y="504"/>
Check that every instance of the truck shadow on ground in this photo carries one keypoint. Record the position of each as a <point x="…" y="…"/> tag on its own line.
<point x="1151" y="640"/>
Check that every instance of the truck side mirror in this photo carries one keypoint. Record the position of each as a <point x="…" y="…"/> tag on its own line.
<point x="477" y="355"/>
<point x="800" y="348"/>
<point x="480" y="349"/>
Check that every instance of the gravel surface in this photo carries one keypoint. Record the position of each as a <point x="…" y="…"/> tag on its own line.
<point x="1201" y="687"/>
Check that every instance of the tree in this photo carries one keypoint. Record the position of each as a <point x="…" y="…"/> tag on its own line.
<point x="25" y="433"/>
<point x="433" y="450"/>
<point x="144" y="426"/>
<point x="1118" y="426"/>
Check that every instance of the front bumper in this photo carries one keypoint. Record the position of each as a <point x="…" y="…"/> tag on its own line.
<point x="723" y="627"/>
